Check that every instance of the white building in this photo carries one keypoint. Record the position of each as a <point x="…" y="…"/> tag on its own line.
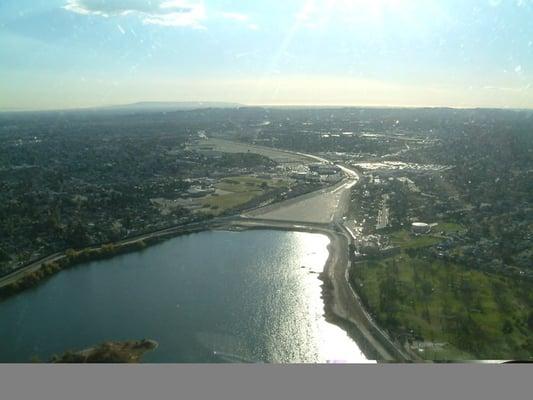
<point x="420" y="228"/>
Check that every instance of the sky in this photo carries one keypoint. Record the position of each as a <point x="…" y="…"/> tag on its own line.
<point x="57" y="54"/>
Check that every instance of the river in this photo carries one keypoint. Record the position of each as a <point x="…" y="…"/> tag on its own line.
<point x="214" y="296"/>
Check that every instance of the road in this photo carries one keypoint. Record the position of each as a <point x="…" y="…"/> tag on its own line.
<point x="34" y="266"/>
<point x="383" y="213"/>
<point x="347" y="305"/>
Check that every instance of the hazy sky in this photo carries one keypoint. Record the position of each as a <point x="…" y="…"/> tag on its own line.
<point x="74" y="53"/>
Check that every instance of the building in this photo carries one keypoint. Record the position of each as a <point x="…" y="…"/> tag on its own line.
<point x="197" y="191"/>
<point x="312" y="178"/>
<point x="420" y="228"/>
<point x="324" y="169"/>
<point x="298" y="175"/>
<point x="332" y="178"/>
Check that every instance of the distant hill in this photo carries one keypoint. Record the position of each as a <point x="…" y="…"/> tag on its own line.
<point x="170" y="106"/>
<point x="145" y="106"/>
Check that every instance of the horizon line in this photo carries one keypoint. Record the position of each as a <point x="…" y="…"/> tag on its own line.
<point x="236" y="104"/>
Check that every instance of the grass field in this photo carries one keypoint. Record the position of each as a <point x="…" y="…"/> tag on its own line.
<point x="406" y="240"/>
<point x="448" y="228"/>
<point x="447" y="311"/>
<point x="239" y="190"/>
<point x="279" y="156"/>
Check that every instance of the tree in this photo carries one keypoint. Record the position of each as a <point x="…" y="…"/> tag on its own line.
<point x="3" y="255"/>
<point x="530" y="321"/>
<point x="77" y="235"/>
<point x="427" y="291"/>
<point x="507" y="327"/>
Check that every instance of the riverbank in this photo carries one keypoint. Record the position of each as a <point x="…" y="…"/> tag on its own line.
<point x="253" y="294"/>
<point x="341" y="305"/>
<point x="32" y="274"/>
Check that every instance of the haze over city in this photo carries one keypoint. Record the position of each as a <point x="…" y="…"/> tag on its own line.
<point x="308" y="181"/>
<point x="59" y="54"/>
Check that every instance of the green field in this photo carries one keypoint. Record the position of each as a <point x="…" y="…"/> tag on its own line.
<point x="447" y="311"/>
<point x="406" y="239"/>
<point x="448" y="228"/>
<point x="240" y="190"/>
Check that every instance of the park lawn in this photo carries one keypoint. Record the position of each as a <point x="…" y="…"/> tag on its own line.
<point x="240" y="190"/>
<point x="406" y="240"/>
<point x="248" y="183"/>
<point x="462" y="311"/>
<point x="219" y="204"/>
<point x="449" y="228"/>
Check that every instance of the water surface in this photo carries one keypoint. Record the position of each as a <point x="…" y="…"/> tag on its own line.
<point x="206" y="297"/>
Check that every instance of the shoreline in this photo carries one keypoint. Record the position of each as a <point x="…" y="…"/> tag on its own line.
<point x="343" y="308"/>
<point x="71" y="257"/>
<point x="341" y="304"/>
<point x="115" y="352"/>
